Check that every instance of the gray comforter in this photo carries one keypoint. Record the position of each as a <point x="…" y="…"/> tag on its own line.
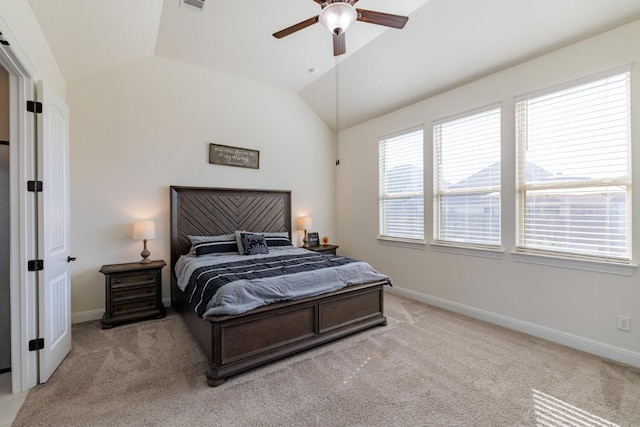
<point x="233" y="284"/>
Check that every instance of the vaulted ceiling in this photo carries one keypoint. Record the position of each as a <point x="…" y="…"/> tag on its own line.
<point x="444" y="44"/>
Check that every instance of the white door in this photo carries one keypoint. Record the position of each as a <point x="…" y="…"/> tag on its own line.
<point x="54" y="284"/>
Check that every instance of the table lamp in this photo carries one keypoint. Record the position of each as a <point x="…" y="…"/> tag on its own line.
<point x="304" y="223"/>
<point x="144" y="230"/>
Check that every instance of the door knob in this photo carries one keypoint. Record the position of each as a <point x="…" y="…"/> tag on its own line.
<point x="71" y="258"/>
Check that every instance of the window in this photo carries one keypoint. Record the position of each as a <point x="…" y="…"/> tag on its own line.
<point x="574" y="173"/>
<point x="467" y="179"/>
<point x="401" y="187"/>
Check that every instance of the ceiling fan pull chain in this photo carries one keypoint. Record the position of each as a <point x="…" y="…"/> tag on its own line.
<point x="337" y="68"/>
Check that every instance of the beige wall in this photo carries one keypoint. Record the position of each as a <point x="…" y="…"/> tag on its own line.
<point x="138" y="129"/>
<point x="21" y="22"/>
<point x="579" y="307"/>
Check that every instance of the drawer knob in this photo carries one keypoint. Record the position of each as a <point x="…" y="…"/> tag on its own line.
<point x="118" y="295"/>
<point x="118" y="280"/>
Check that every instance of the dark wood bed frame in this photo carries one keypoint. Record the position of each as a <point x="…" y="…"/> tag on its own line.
<point x="234" y="344"/>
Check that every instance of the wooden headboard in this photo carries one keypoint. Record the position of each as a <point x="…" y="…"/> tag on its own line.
<point x="200" y="211"/>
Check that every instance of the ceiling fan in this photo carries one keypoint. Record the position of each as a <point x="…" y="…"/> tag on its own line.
<point x="337" y="15"/>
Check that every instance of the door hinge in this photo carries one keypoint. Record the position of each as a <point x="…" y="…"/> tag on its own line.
<point x="37" y="344"/>
<point x="34" y="186"/>
<point x="34" y="107"/>
<point x="35" y="265"/>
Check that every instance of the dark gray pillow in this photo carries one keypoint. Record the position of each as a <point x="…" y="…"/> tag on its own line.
<point x="254" y="244"/>
<point x="216" y="248"/>
<point x="278" y="242"/>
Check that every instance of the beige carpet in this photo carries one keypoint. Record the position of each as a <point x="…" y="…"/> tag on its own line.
<point x="427" y="367"/>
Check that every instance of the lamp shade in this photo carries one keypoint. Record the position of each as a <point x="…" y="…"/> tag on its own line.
<point x="304" y="223"/>
<point x="337" y="17"/>
<point x="144" y="230"/>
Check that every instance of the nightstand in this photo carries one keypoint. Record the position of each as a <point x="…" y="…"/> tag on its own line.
<point x="133" y="292"/>
<point x="325" y="249"/>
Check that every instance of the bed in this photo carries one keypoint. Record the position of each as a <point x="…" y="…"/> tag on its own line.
<point x="234" y="343"/>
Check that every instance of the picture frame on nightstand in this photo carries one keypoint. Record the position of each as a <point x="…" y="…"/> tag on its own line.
<point x="313" y="239"/>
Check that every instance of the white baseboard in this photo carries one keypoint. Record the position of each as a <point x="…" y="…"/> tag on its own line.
<point x="87" y="316"/>
<point x="607" y="351"/>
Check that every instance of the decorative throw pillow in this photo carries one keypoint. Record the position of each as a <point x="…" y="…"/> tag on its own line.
<point x="254" y="244"/>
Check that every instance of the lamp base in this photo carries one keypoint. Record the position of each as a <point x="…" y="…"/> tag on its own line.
<point x="145" y="254"/>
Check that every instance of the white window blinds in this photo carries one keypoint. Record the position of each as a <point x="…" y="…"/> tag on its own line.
<point x="401" y="186"/>
<point x="574" y="173"/>
<point x="467" y="179"/>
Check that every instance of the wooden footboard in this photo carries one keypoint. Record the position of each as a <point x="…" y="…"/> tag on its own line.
<point x="235" y="344"/>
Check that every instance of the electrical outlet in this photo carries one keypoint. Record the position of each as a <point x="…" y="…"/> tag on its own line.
<point x="624" y="323"/>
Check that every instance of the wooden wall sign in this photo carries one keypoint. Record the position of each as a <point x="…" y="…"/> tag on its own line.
<point x="234" y="156"/>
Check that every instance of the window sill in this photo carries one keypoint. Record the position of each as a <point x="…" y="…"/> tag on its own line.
<point x="493" y="253"/>
<point x="576" y="264"/>
<point x="411" y="244"/>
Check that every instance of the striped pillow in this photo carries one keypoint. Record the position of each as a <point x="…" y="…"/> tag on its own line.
<point x="217" y="248"/>
<point x="277" y="241"/>
<point x="206" y="245"/>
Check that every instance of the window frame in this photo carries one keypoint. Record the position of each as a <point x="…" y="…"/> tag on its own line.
<point x="387" y="238"/>
<point x="570" y="259"/>
<point x="490" y="250"/>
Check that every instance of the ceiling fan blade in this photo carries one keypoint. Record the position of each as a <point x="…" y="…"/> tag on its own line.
<point x="379" y="18"/>
<point x="339" y="44"/>
<point x="296" y="27"/>
<point x="352" y="2"/>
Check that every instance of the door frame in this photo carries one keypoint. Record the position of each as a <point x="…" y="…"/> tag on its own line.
<point x="23" y="213"/>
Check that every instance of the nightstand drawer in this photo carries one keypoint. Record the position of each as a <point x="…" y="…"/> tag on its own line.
<point x="124" y="308"/>
<point x="325" y="249"/>
<point x="126" y="280"/>
<point x="130" y="293"/>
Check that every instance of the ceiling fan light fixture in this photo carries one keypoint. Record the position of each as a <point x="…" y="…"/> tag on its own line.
<point x="336" y="17"/>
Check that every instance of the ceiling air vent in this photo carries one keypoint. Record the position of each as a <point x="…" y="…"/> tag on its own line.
<point x="198" y="4"/>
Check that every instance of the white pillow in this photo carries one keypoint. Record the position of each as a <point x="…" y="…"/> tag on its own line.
<point x="238" y="236"/>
